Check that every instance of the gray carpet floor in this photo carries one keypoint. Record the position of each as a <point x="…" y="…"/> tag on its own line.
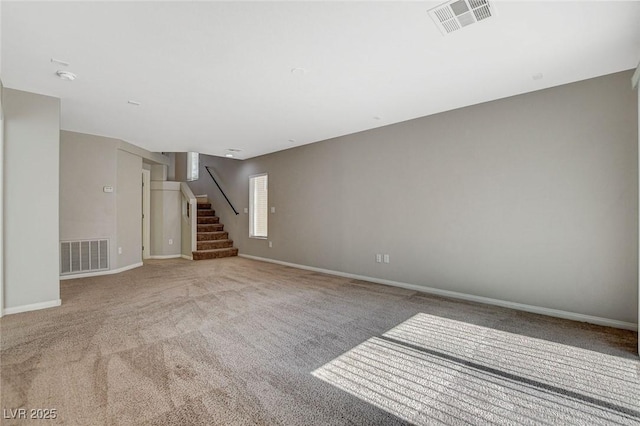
<point x="235" y="341"/>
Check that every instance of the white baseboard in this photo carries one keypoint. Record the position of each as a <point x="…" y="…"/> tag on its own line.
<point x="32" y="307"/>
<point x="165" y="256"/>
<point x="463" y="296"/>
<point x="184" y="256"/>
<point x="96" y="274"/>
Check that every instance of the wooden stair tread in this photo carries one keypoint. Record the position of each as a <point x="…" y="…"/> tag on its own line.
<point x="214" y="253"/>
<point x="210" y="227"/>
<point x="207" y="220"/>
<point x="212" y="244"/>
<point x="215" y="235"/>
<point x="218" y="250"/>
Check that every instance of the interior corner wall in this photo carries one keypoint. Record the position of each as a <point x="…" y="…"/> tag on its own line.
<point x="129" y="209"/>
<point x="31" y="182"/>
<point x="531" y="199"/>
<point x="87" y="164"/>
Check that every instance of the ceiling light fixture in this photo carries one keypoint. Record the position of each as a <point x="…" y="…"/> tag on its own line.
<point x="375" y="117"/>
<point x="537" y="76"/>
<point x="136" y="103"/>
<point x="229" y="155"/>
<point x="233" y="150"/>
<point x="298" y="71"/>
<point x="292" y="140"/>
<point x="66" y="75"/>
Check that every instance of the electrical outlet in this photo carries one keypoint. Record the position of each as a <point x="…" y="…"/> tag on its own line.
<point x="119" y="250"/>
<point x="246" y="210"/>
<point x="170" y="241"/>
<point x="386" y="258"/>
<point x="378" y="258"/>
<point x="273" y="209"/>
<point x="270" y="244"/>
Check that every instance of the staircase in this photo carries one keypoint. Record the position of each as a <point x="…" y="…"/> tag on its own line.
<point x="212" y="241"/>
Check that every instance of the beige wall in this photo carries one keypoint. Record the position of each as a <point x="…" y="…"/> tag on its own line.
<point x="87" y="164"/>
<point x="171" y="169"/>
<point x="30" y="179"/>
<point x="180" y="166"/>
<point x="165" y="219"/>
<point x="128" y="209"/>
<point x="1" y="202"/>
<point x="531" y="199"/>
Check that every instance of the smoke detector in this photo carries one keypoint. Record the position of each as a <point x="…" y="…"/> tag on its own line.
<point x="456" y="14"/>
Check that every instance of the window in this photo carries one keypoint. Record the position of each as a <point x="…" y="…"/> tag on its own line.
<point x="193" y="159"/>
<point x="258" y="206"/>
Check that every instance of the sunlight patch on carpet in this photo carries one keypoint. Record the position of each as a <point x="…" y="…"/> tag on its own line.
<point x="435" y="370"/>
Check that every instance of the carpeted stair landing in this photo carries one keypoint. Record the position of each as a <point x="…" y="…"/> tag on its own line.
<point x="213" y="241"/>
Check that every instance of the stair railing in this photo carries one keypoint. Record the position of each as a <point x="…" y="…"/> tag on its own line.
<point x="223" y="194"/>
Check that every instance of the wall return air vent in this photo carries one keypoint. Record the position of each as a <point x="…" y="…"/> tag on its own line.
<point x="84" y="256"/>
<point x="454" y="15"/>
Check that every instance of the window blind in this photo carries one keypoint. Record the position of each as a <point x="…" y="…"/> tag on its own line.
<point x="258" y="206"/>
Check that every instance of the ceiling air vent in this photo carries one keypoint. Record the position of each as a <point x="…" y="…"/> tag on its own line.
<point x="453" y="15"/>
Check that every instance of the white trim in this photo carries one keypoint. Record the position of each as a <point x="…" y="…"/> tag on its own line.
<point x="166" y="256"/>
<point x="184" y="256"/>
<point x="32" y="307"/>
<point x="456" y="295"/>
<point x="95" y="274"/>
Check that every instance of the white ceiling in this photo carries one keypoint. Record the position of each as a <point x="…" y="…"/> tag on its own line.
<point x="212" y="76"/>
